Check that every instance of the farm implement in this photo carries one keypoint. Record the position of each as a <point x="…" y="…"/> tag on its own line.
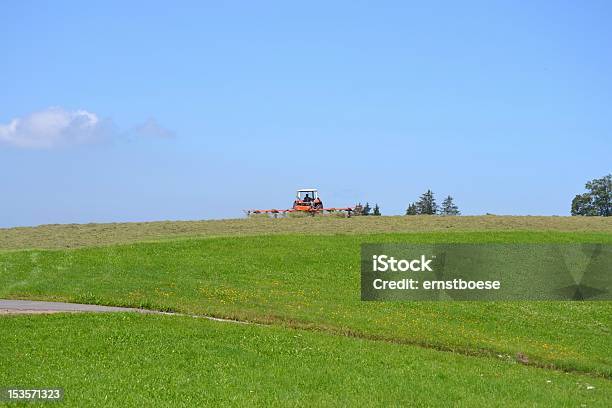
<point x="307" y="201"/>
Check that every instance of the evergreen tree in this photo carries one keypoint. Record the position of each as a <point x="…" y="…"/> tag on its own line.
<point x="412" y="209"/>
<point x="366" y="209"/>
<point x="427" y="204"/>
<point x="376" y="210"/>
<point x="449" y="207"/>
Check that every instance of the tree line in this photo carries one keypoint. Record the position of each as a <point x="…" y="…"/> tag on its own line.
<point x="366" y="209"/>
<point x="426" y="205"/>
<point x="596" y="201"/>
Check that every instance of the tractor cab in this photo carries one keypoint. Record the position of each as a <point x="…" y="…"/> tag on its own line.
<point x="307" y="199"/>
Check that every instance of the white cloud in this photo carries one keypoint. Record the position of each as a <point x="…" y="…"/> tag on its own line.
<point x="153" y="129"/>
<point x="54" y="127"/>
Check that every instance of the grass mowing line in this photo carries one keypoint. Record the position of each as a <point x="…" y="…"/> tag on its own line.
<point x="296" y="325"/>
<point x="486" y="353"/>
<point x="467" y="352"/>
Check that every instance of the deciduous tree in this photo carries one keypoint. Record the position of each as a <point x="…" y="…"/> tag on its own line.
<point x="597" y="200"/>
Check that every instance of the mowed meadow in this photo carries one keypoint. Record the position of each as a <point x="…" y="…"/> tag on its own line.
<point x="60" y="236"/>
<point x="300" y="277"/>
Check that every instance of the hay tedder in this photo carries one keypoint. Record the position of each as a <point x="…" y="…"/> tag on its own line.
<point x="307" y="201"/>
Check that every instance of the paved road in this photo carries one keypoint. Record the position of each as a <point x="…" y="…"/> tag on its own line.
<point x="33" y="306"/>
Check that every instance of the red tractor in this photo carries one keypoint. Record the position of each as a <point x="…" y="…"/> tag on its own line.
<point x="306" y="200"/>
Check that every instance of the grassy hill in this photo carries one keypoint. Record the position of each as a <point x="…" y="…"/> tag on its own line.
<point x="300" y="277"/>
<point x="81" y="235"/>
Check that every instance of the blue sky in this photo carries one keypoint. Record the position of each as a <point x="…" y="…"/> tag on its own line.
<point x="197" y="110"/>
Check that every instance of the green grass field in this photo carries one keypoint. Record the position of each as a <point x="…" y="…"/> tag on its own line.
<point x="304" y="285"/>
<point x="136" y="360"/>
